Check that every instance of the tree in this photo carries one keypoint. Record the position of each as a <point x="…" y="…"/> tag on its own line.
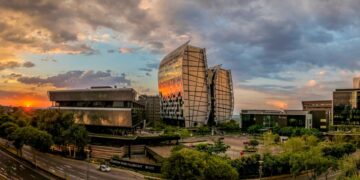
<point x="76" y="135"/>
<point x="7" y="128"/>
<point x="247" y="165"/>
<point x="254" y="129"/>
<point x="254" y="143"/>
<point x="218" y="147"/>
<point x="219" y="168"/>
<point x="33" y="137"/>
<point x="54" y="122"/>
<point x="231" y="125"/>
<point x="192" y="164"/>
<point x="294" y="144"/>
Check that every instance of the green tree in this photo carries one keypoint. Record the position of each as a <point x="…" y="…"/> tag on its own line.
<point x="33" y="137"/>
<point x="247" y="165"/>
<point x="218" y="147"/>
<point x="192" y="164"/>
<point x="7" y="128"/>
<point x="219" y="168"/>
<point x="254" y="143"/>
<point x="254" y="129"/>
<point x="76" y="135"/>
<point x="294" y="144"/>
<point x="55" y="122"/>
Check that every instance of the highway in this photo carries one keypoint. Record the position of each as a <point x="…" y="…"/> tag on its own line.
<point x="60" y="166"/>
<point x="75" y="169"/>
<point x="11" y="168"/>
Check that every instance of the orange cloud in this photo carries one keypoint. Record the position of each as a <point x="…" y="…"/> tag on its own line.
<point x="278" y="104"/>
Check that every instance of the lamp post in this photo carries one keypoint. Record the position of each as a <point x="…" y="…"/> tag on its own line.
<point x="88" y="162"/>
<point x="260" y="166"/>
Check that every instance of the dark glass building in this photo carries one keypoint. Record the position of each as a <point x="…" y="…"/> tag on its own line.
<point x="321" y="113"/>
<point x="152" y="109"/>
<point x="274" y="118"/>
<point x="346" y="103"/>
<point x="100" y="107"/>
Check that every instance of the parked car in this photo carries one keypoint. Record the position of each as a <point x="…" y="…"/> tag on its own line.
<point x="104" y="168"/>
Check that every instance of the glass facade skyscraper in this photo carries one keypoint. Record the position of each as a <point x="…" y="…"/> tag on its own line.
<point x="221" y="94"/>
<point x="191" y="94"/>
<point x="183" y="87"/>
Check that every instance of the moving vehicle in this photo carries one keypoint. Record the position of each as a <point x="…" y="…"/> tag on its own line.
<point x="104" y="168"/>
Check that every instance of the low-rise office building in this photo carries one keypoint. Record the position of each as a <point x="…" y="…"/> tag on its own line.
<point x="356" y="82"/>
<point x="346" y="104"/>
<point x="275" y="118"/>
<point x="100" y="108"/>
<point x="152" y="109"/>
<point x="321" y="113"/>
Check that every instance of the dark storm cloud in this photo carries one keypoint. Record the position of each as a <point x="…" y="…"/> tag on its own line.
<point x="79" y="79"/>
<point x="264" y="38"/>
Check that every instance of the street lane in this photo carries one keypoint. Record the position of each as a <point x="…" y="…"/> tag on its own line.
<point x="74" y="169"/>
<point x="10" y="168"/>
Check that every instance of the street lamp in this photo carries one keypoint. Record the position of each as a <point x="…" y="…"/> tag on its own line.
<point x="260" y="166"/>
<point x="88" y="162"/>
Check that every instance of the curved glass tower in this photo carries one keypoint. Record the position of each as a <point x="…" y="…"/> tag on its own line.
<point x="183" y="87"/>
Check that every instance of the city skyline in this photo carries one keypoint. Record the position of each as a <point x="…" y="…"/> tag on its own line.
<point x="277" y="58"/>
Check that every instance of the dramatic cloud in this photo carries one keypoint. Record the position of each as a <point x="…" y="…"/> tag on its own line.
<point x="14" y="64"/>
<point x="79" y="79"/>
<point x="272" y="47"/>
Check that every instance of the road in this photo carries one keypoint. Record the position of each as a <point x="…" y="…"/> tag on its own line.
<point x="11" y="168"/>
<point x="75" y="169"/>
<point x="67" y="168"/>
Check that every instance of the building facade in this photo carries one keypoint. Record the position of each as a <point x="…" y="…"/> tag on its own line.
<point x="275" y="118"/>
<point x="221" y="94"/>
<point x="356" y="83"/>
<point x="346" y="103"/>
<point x="152" y="109"/>
<point x="100" y="107"/>
<point x="183" y="87"/>
<point x="321" y="112"/>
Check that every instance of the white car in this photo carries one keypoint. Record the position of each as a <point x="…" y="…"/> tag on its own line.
<point x="104" y="168"/>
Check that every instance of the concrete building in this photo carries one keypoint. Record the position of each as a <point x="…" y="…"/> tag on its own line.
<point x="183" y="87"/>
<point x="100" y="108"/>
<point x="152" y="109"/>
<point x="321" y="113"/>
<point x="356" y="82"/>
<point x="221" y="94"/>
<point x="346" y="104"/>
<point x="275" y="118"/>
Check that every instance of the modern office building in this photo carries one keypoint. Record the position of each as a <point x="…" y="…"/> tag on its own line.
<point x="183" y="87"/>
<point x="152" y="109"/>
<point x="321" y="113"/>
<point x="191" y="94"/>
<point x="275" y="118"/>
<point x="221" y="94"/>
<point x="356" y="82"/>
<point x="100" y="107"/>
<point x="346" y="104"/>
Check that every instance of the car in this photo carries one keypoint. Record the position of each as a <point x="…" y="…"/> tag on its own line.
<point x="104" y="168"/>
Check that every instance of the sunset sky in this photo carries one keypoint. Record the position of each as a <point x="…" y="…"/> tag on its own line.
<point x="280" y="52"/>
